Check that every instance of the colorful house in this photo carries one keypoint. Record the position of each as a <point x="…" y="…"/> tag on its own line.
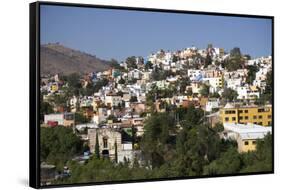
<point x="260" y="115"/>
<point x="246" y="136"/>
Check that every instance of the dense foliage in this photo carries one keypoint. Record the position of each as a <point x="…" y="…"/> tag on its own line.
<point x="58" y="145"/>
<point x="252" y="70"/>
<point x="191" y="149"/>
<point x="45" y="108"/>
<point x="235" y="60"/>
<point x="229" y="94"/>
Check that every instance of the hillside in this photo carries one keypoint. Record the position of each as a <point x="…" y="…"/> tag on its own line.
<point x="56" y="58"/>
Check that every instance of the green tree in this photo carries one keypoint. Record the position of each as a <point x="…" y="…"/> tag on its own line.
<point x="73" y="80"/>
<point x="148" y="65"/>
<point x="183" y="83"/>
<point x="157" y="138"/>
<point x="252" y="70"/>
<point x="60" y="100"/>
<point x="175" y="58"/>
<point x="97" y="146"/>
<point x="160" y="74"/>
<point x="267" y="95"/>
<point x="131" y="62"/>
<point x="192" y="116"/>
<point x="115" y="152"/>
<point x="45" y="108"/>
<point x="205" y="90"/>
<point x="235" y="61"/>
<point x="214" y="95"/>
<point x="197" y="145"/>
<point x="80" y="118"/>
<point x="218" y="127"/>
<point x="99" y="84"/>
<point x="208" y="60"/>
<point x="235" y="52"/>
<point x="88" y="91"/>
<point x="133" y="99"/>
<point x="114" y="63"/>
<point x="121" y="81"/>
<point x="229" y="163"/>
<point x="229" y="94"/>
<point x="58" y="145"/>
<point x="247" y="56"/>
<point x="261" y="159"/>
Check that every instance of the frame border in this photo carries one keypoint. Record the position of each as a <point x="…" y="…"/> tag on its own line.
<point x="34" y="91"/>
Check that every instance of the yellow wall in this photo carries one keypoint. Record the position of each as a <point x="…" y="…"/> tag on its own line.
<point x="68" y="123"/>
<point x="54" y="88"/>
<point x="256" y="115"/>
<point x="246" y="145"/>
<point x="221" y="82"/>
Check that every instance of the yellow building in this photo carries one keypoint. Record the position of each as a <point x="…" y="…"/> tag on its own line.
<point x="246" y="145"/>
<point x="260" y="115"/>
<point x="246" y="136"/>
<point x="54" y="88"/>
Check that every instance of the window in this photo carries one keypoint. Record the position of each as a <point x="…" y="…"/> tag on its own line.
<point x="269" y="123"/>
<point x="266" y="109"/>
<point x="246" y="111"/>
<point x="246" y="143"/>
<point x="240" y="111"/>
<point x="226" y="119"/>
<point x="260" y="116"/>
<point x="240" y="117"/>
<point x="269" y="117"/>
<point x="255" y="117"/>
<point x="233" y="118"/>
<point x="261" y="110"/>
<point x="230" y="112"/>
<point x="246" y="117"/>
<point x="105" y="142"/>
<point x="68" y="117"/>
<point x="254" y="142"/>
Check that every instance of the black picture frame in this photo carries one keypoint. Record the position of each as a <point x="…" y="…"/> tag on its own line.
<point x="34" y="92"/>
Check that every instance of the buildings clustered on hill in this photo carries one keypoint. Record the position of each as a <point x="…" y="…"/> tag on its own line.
<point x="231" y="88"/>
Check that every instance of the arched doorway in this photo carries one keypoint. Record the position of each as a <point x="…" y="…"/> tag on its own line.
<point x="105" y="153"/>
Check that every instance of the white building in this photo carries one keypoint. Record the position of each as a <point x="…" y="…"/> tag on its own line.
<point x="215" y="83"/>
<point x="212" y="104"/>
<point x="135" y="74"/>
<point x="73" y="103"/>
<point x="64" y="119"/>
<point x="233" y="83"/>
<point x="126" y="152"/>
<point x="195" y="87"/>
<point x="240" y="73"/>
<point x="193" y="73"/>
<point x="86" y="101"/>
<point x="162" y="84"/>
<point x="245" y="93"/>
<point x="113" y="100"/>
<point x="83" y="126"/>
<point x="245" y="135"/>
<point x="146" y="75"/>
<point x="100" y="116"/>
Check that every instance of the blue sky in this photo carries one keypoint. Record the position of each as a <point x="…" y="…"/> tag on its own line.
<point x="121" y="33"/>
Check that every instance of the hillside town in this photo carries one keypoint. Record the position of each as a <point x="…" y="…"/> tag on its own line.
<point x="139" y="108"/>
